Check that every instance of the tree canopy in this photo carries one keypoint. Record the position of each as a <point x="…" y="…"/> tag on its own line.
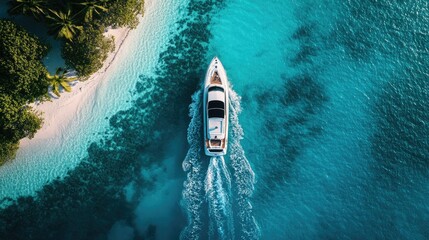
<point x="16" y="121"/>
<point x="22" y="80"/>
<point x="123" y="13"/>
<point x="63" y="24"/>
<point x="28" y="7"/>
<point x="60" y="80"/>
<point x="74" y="21"/>
<point x="22" y="73"/>
<point x="88" y="51"/>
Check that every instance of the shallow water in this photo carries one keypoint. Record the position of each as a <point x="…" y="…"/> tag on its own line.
<point x="334" y="100"/>
<point x="49" y="158"/>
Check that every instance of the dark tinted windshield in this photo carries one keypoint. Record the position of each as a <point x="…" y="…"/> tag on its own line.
<point x="216" y="109"/>
<point x="216" y="104"/>
<point x="216" y="113"/>
<point x="215" y="88"/>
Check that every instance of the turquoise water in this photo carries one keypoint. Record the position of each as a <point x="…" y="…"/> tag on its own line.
<point x="331" y="141"/>
<point x="51" y="157"/>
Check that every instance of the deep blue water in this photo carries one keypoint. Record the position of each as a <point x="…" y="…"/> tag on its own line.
<point x="331" y="142"/>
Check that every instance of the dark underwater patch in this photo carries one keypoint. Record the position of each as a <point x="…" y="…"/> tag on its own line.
<point x="290" y="110"/>
<point x="292" y="124"/>
<point x="394" y="205"/>
<point x="303" y="31"/>
<point x="90" y="199"/>
<point x="390" y="199"/>
<point x="305" y="34"/>
<point x="400" y="144"/>
<point x="387" y="27"/>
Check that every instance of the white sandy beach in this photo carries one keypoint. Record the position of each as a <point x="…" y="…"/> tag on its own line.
<point x="77" y="119"/>
<point x="58" y="112"/>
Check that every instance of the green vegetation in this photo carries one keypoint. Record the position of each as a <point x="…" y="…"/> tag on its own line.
<point x="123" y="13"/>
<point x="92" y="8"/>
<point x="88" y="51"/>
<point x="81" y="23"/>
<point x="22" y="73"/>
<point x="16" y="121"/>
<point x="63" y="25"/>
<point x="22" y="80"/>
<point x="60" y="80"/>
<point x="33" y="8"/>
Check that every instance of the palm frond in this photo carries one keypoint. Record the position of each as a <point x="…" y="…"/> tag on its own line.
<point x="66" y="86"/>
<point x="60" y="80"/>
<point x="55" y="90"/>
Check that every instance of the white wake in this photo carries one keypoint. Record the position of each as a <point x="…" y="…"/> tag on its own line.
<point x="193" y="187"/>
<point x="216" y="200"/>
<point x="244" y="177"/>
<point x="218" y="193"/>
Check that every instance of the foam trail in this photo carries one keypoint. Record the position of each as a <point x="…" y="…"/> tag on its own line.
<point x="218" y="193"/>
<point x="223" y="193"/>
<point x="193" y="189"/>
<point x="243" y="175"/>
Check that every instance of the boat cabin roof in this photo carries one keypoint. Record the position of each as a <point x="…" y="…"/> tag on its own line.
<point x="216" y="93"/>
<point x="216" y="109"/>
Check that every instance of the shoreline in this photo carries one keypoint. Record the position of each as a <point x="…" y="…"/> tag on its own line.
<point x="77" y="119"/>
<point x="59" y="112"/>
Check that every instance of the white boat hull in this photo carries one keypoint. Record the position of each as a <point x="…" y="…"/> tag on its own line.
<point x="216" y="114"/>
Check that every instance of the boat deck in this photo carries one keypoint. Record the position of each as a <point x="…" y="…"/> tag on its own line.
<point x="215" y="127"/>
<point x="215" y="110"/>
<point x="215" y="143"/>
<point x="215" y="79"/>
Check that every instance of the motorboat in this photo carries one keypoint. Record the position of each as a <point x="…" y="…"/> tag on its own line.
<point x="216" y="109"/>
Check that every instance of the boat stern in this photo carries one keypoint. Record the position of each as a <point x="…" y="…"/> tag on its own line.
<point x="215" y="147"/>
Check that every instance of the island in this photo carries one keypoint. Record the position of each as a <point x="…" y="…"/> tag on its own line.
<point x="80" y="26"/>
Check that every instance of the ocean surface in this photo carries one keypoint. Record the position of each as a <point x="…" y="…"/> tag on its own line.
<point x="328" y="132"/>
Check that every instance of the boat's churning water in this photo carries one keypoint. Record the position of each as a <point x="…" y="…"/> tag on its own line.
<point x="218" y="194"/>
<point x="217" y="200"/>
<point x="193" y="188"/>
<point x="244" y="177"/>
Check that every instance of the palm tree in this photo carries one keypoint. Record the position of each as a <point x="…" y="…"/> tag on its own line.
<point x="60" y="80"/>
<point x="92" y="7"/>
<point x="27" y="7"/>
<point x="63" y="24"/>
